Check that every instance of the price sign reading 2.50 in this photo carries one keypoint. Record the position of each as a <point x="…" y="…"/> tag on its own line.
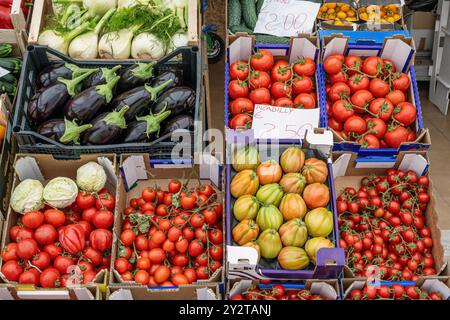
<point x="286" y="18"/>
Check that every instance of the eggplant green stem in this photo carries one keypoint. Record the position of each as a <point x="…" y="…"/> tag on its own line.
<point x="73" y="132"/>
<point x="72" y="85"/>
<point x="144" y="70"/>
<point x="109" y="74"/>
<point x="154" y="121"/>
<point x="154" y="91"/>
<point x="106" y="90"/>
<point x="77" y="71"/>
<point x="117" y="118"/>
<point x="103" y="20"/>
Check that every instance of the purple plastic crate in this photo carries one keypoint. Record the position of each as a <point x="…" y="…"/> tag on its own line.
<point x="323" y="269"/>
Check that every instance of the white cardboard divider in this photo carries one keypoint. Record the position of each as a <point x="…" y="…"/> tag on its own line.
<point x="205" y="294"/>
<point x="109" y="168"/>
<point x="301" y="47"/>
<point x="210" y="168"/>
<point x="121" y="294"/>
<point x="240" y="286"/>
<point x="398" y="51"/>
<point x="133" y="170"/>
<point x="240" y="49"/>
<point x="28" y="168"/>
<point x="83" y="294"/>
<point x="324" y="289"/>
<point x="5" y="294"/>
<point x="414" y="162"/>
<point x="336" y="45"/>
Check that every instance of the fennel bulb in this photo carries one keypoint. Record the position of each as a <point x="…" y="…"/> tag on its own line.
<point x="178" y="40"/>
<point x="147" y="46"/>
<point x="61" y="42"/>
<point x="99" y="7"/>
<point x="85" y="46"/>
<point x="117" y="45"/>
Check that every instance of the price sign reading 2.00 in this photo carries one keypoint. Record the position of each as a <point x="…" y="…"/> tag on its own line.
<point x="285" y="18"/>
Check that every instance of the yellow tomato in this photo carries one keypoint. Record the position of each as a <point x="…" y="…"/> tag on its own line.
<point x="351" y="14"/>
<point x="396" y="17"/>
<point x="331" y="11"/>
<point x="341" y="15"/>
<point x="339" y="23"/>
<point x="345" y="7"/>
<point x="332" y="5"/>
<point x="323" y="8"/>
<point x="391" y="19"/>
<point x="363" y="16"/>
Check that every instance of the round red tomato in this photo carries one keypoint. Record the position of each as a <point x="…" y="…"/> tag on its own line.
<point x="103" y="219"/>
<point x="93" y="256"/>
<point x="338" y="77"/>
<point x="369" y="141"/>
<point x="101" y="239"/>
<point x="396" y="97"/>
<point x="382" y="107"/>
<point x="85" y="200"/>
<point x="304" y="101"/>
<point x="27" y="248"/>
<point x="354" y="63"/>
<point x="10" y="252"/>
<point x="281" y="71"/>
<point x="50" y="278"/>
<point x="45" y="234"/>
<point x="55" y="217"/>
<point x="333" y="64"/>
<point x="335" y="125"/>
<point x="241" y="121"/>
<point x="261" y="96"/>
<point x="361" y="98"/>
<point x="342" y="110"/>
<point x="30" y="277"/>
<point x="304" y="67"/>
<point x="358" y="82"/>
<point x="395" y="136"/>
<point x="389" y="66"/>
<point x="401" y="81"/>
<point x="148" y="195"/>
<point x="72" y="238"/>
<point x="62" y="263"/>
<point x="242" y="105"/>
<point x="238" y="89"/>
<point x="377" y="127"/>
<point x="284" y="102"/>
<point x="12" y="270"/>
<point x="239" y="70"/>
<point x="302" y="85"/>
<point x="339" y="91"/>
<point x="280" y="90"/>
<point x="105" y="201"/>
<point x="405" y="113"/>
<point x="262" y="60"/>
<point x="33" y="219"/>
<point x="379" y="88"/>
<point x="373" y="66"/>
<point x="259" y="79"/>
<point x="355" y="125"/>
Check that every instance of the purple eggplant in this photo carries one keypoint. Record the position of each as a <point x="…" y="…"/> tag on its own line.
<point x="145" y="127"/>
<point x="50" y="74"/>
<point x="103" y="76"/>
<point x="87" y="104"/>
<point x="106" y="128"/>
<point x="178" y="100"/>
<point x="47" y="100"/>
<point x="62" y="130"/>
<point x="181" y="122"/>
<point x="163" y="77"/>
<point x="138" y="99"/>
<point x="135" y="76"/>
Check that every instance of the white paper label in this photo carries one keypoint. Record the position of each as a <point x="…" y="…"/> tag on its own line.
<point x="3" y="72"/>
<point x="287" y="18"/>
<point x="270" y="122"/>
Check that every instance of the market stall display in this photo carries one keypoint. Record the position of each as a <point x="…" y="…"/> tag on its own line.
<point x="338" y="14"/>
<point x="14" y="15"/>
<point x="58" y="229"/>
<point x="115" y="29"/>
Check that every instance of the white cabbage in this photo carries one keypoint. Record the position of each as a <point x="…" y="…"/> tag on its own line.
<point x="27" y="196"/>
<point x="91" y="177"/>
<point x="60" y="192"/>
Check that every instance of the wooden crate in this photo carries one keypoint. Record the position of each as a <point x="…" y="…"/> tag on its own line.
<point x="43" y="8"/>
<point x="17" y="35"/>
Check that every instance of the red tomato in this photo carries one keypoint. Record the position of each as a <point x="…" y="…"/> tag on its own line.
<point x="88" y="214"/>
<point x="202" y="272"/>
<point x="342" y="110"/>
<point x="377" y="126"/>
<point x="239" y="70"/>
<point x="148" y="194"/>
<point x="45" y="234"/>
<point x="196" y="248"/>
<point x="241" y="121"/>
<point x="27" y="248"/>
<point x="379" y="88"/>
<point x="304" y="67"/>
<point x="55" y="217"/>
<point x="369" y="141"/>
<point x="382" y="107"/>
<point x="93" y="256"/>
<point x="339" y="91"/>
<point x="338" y="77"/>
<point x="53" y="250"/>
<point x="62" y="263"/>
<point x="10" y="252"/>
<point x="103" y="219"/>
<point x="30" y="277"/>
<point x="333" y="64"/>
<point x="101" y="239"/>
<point x="355" y="125"/>
<point x="304" y="101"/>
<point x="405" y="113"/>
<point x="396" y="97"/>
<point x="238" y="89"/>
<point x="280" y="90"/>
<point x="284" y="102"/>
<point x="241" y="105"/>
<point x="261" y="96"/>
<point x="122" y="265"/>
<point x="262" y="60"/>
<point x="354" y="63"/>
<point x="216" y="252"/>
<point x="358" y="82"/>
<point x="395" y="136"/>
<point x="162" y="273"/>
<point x="388" y="66"/>
<point x="373" y="66"/>
<point x="85" y="200"/>
<point x="259" y="79"/>
<point x="12" y="270"/>
<point x="50" y="278"/>
<point x="33" y="219"/>
<point x="302" y="84"/>
<point x="335" y="125"/>
<point x="89" y="276"/>
<point x="401" y="81"/>
<point x="72" y="238"/>
<point x="361" y="98"/>
<point x="105" y="201"/>
<point x="281" y="71"/>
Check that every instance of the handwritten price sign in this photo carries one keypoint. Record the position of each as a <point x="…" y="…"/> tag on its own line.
<point x="271" y="122"/>
<point x="286" y="18"/>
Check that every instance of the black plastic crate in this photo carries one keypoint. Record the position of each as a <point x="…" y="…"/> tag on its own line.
<point x="185" y="60"/>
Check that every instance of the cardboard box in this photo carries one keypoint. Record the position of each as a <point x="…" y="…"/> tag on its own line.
<point x="138" y="172"/>
<point x="241" y="47"/>
<point x="326" y="288"/>
<point x="438" y="284"/>
<point x="7" y="152"/>
<point x="44" y="168"/>
<point x="243" y="262"/>
<point x="43" y="8"/>
<point x="349" y="170"/>
<point x="422" y="29"/>
<point x="401" y="51"/>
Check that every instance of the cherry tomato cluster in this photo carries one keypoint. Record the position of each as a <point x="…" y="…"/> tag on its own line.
<point x="277" y="292"/>
<point x="382" y="224"/>
<point x="171" y="238"/>
<point x="52" y="248"/>
<point x="393" y="292"/>
<point x="367" y="101"/>
<point x="262" y="80"/>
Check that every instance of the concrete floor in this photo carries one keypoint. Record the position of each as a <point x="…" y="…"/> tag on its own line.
<point x="438" y="124"/>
